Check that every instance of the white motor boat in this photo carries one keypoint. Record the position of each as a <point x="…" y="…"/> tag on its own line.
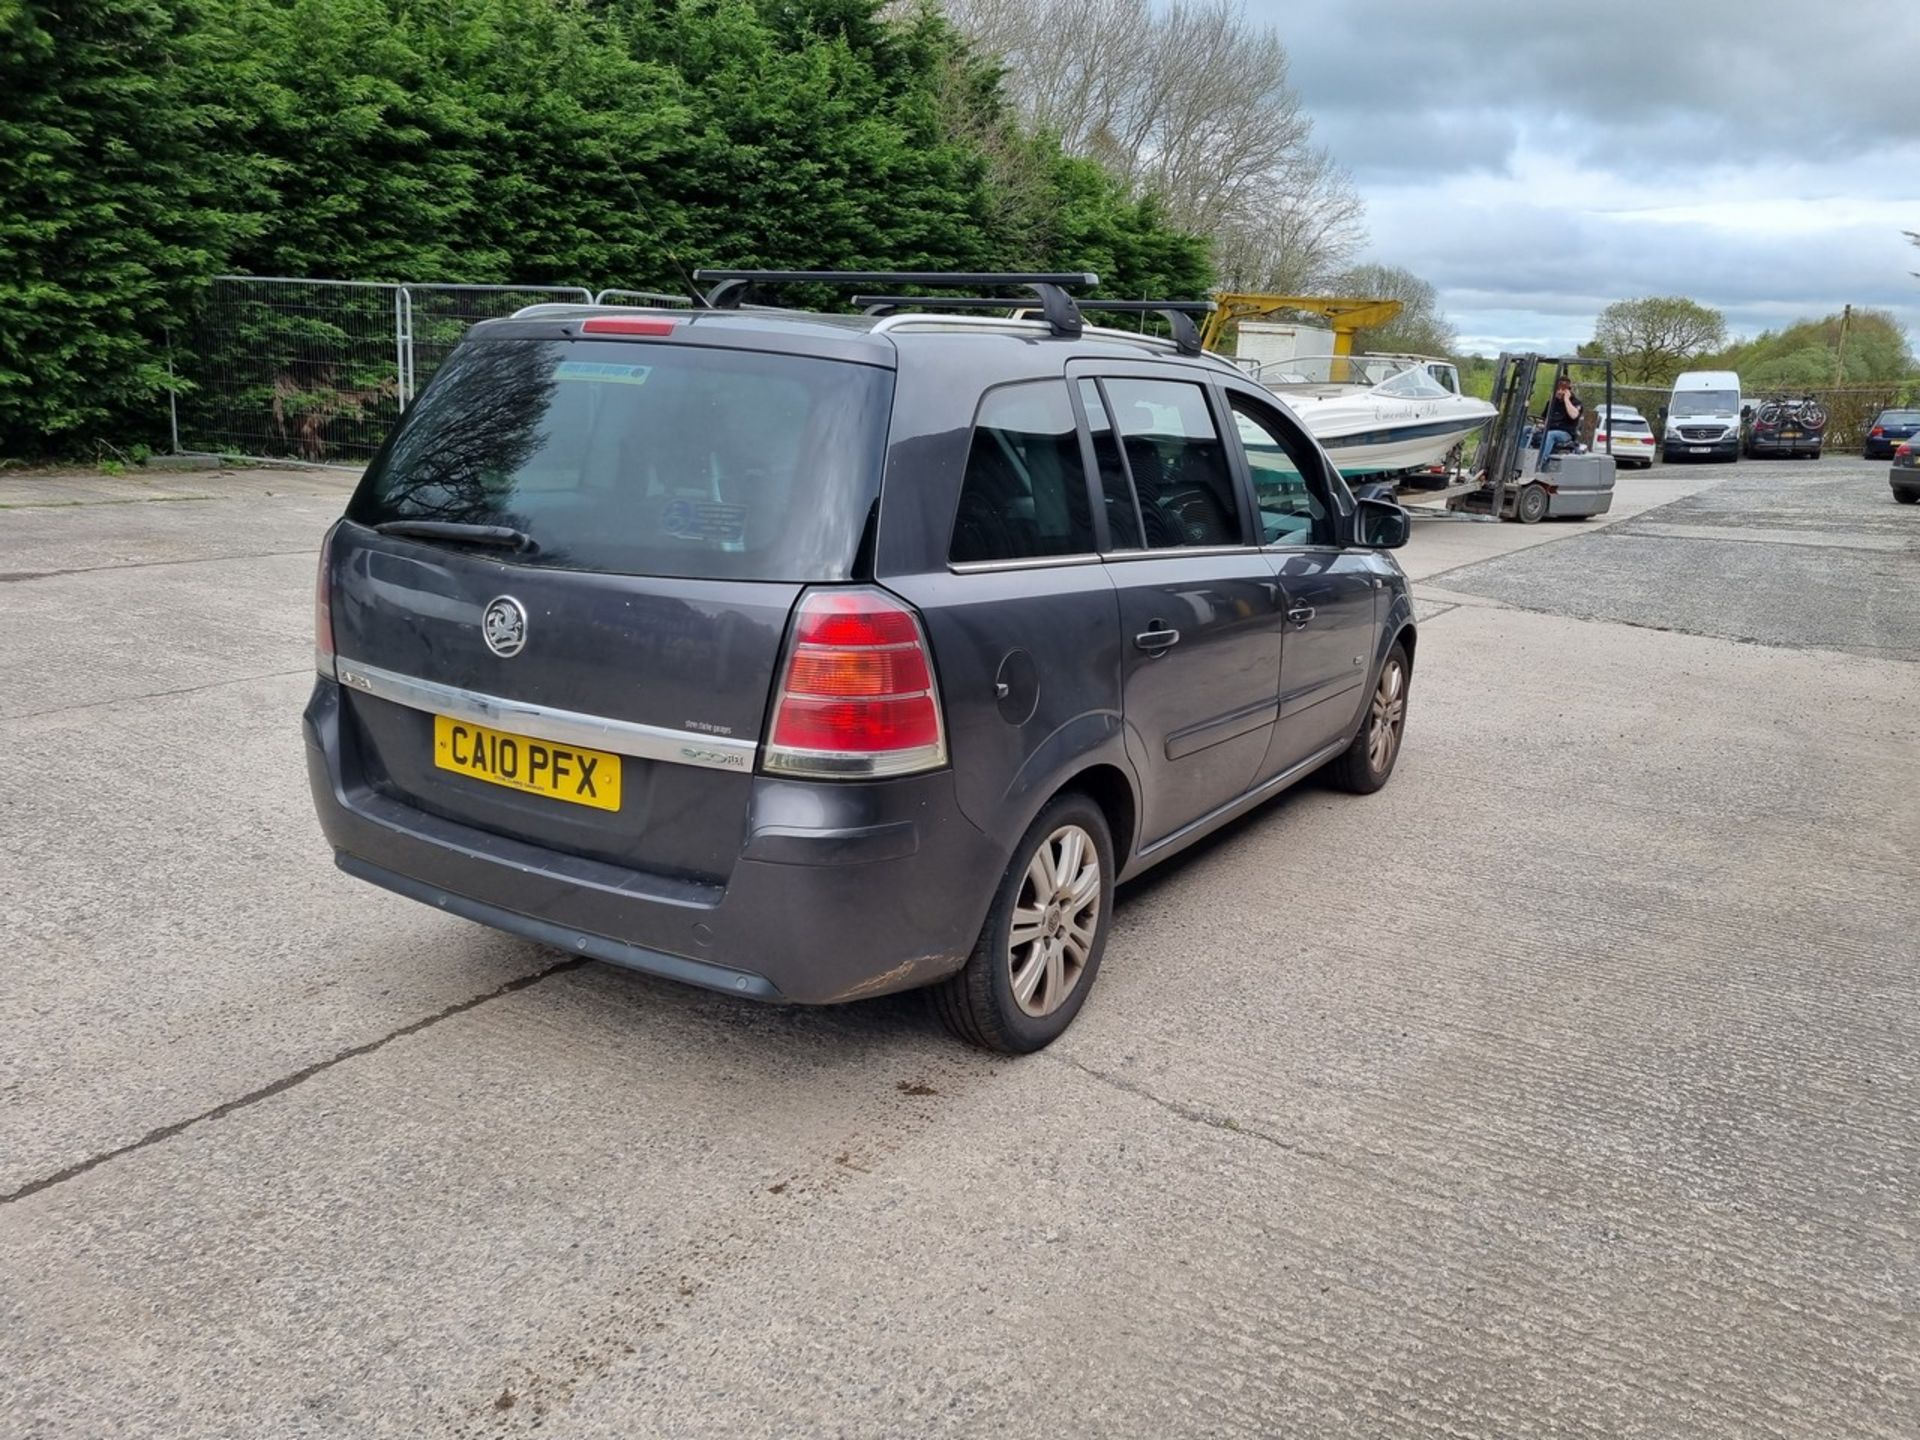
<point x="1378" y="414"/>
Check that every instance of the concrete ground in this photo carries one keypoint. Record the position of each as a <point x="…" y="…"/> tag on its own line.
<point x="1566" y="1087"/>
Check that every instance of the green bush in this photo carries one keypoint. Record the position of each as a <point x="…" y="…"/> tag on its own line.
<point x="114" y="201"/>
<point x="146" y="146"/>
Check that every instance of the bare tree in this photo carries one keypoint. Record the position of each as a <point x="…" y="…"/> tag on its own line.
<point x="1190" y="104"/>
<point x="1420" y="328"/>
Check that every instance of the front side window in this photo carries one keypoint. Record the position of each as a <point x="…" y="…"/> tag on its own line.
<point x="1178" y="462"/>
<point x="1024" y="495"/>
<point x="1291" y="510"/>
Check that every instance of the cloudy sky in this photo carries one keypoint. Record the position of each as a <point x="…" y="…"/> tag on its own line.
<point x="1537" y="162"/>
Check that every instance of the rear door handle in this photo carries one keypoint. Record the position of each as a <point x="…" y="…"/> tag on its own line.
<point x="1160" y="637"/>
<point x="1299" y="615"/>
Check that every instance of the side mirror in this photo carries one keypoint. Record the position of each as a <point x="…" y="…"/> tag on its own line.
<point x="1380" y="524"/>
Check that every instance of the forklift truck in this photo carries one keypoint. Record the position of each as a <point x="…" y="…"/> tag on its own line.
<point x="1512" y="486"/>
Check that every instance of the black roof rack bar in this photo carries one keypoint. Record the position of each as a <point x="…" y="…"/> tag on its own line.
<point x="1050" y="286"/>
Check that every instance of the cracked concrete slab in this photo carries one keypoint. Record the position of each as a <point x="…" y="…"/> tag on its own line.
<point x="1778" y="554"/>
<point x="1565" y="1086"/>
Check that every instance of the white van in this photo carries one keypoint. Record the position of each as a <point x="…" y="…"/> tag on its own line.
<point x="1703" y="417"/>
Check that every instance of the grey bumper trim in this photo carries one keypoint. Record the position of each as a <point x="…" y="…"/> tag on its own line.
<point x="561" y="937"/>
<point x="543" y="722"/>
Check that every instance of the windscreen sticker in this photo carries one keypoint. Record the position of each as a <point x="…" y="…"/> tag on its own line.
<point x="603" y="373"/>
<point x="704" y="520"/>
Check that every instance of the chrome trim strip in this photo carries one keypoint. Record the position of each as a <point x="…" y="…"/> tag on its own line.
<point x="1031" y="562"/>
<point x="544" y="722"/>
<point x="1177" y="552"/>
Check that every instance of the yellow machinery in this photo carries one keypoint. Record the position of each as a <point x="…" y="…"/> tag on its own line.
<point x="1343" y="316"/>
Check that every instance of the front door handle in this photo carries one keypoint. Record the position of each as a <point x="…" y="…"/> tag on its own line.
<point x="1158" y="637"/>
<point x="1299" y="615"/>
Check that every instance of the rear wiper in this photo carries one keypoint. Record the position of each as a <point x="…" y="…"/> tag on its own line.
<point x="504" y="537"/>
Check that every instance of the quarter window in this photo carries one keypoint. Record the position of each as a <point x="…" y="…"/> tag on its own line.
<point x="1179" y="465"/>
<point x="1284" y="467"/>
<point x="1025" y="491"/>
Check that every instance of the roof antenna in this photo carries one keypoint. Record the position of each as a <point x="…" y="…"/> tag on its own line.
<point x="686" y="277"/>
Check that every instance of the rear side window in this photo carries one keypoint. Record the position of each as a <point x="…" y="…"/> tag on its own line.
<point x="1178" y="462"/>
<point x="1025" y="491"/>
<point x="644" y="459"/>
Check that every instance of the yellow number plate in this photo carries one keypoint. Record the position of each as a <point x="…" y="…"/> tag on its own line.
<point x="539" y="767"/>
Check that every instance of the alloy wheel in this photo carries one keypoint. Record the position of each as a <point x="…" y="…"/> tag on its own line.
<point x="1054" y="921"/>
<point x="1388" y="716"/>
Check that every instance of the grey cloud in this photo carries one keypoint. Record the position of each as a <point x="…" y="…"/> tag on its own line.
<point x="1748" y="79"/>
<point x="1747" y="111"/>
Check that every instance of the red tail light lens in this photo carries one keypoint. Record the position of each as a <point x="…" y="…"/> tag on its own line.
<point x="1903" y="449"/>
<point x="626" y="325"/>
<point x="857" y="696"/>
<point x="1878" y="430"/>
<point x="323" y="608"/>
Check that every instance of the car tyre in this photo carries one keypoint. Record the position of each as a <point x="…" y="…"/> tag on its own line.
<point x="1368" y="762"/>
<point x="1064" y="911"/>
<point x="1530" y="506"/>
<point x="1907" y="497"/>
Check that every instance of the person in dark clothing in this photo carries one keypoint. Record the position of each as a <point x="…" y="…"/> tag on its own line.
<point x="1563" y="420"/>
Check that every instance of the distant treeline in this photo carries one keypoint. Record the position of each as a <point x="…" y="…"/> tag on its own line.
<point x="146" y="145"/>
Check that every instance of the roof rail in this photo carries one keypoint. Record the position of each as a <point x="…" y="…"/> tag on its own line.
<point x="1178" y="313"/>
<point x="1050" y="287"/>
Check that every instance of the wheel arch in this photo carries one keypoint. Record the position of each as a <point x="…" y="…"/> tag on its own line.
<point x="1109" y="787"/>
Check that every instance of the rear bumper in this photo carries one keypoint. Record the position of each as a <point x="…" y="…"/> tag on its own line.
<point x="840" y="891"/>
<point x="1883" y="448"/>
<point x="1758" y="444"/>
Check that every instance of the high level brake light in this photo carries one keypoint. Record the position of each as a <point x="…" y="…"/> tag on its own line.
<point x="856" y="697"/>
<point x="626" y="325"/>
<point x="323" y="608"/>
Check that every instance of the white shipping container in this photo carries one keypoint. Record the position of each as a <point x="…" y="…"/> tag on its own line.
<point x="1268" y="341"/>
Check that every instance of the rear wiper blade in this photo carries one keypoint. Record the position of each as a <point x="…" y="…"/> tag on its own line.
<point x="503" y="536"/>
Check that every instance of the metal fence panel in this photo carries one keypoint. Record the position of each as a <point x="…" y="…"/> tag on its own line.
<point x="319" y="370"/>
<point x="439" y="315"/>
<point x="306" y="369"/>
<point x="641" y="297"/>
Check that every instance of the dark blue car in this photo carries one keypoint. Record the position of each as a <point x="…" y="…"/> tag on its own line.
<point x="1889" y="428"/>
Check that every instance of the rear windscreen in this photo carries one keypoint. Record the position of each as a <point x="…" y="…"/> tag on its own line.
<point x="644" y="459"/>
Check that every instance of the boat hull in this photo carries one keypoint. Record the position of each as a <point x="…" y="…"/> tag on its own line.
<point x="1367" y="434"/>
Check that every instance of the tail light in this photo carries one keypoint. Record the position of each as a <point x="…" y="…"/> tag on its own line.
<point x="323" y="608"/>
<point x="1877" y="430"/>
<point x="1903" y="449"/>
<point x="856" y="695"/>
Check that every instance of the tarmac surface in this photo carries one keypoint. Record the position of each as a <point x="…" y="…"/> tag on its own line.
<point x="1569" y="1086"/>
